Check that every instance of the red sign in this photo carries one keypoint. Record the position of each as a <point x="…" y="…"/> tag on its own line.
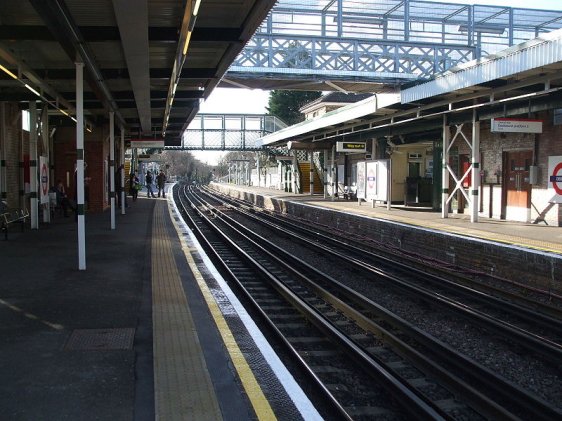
<point x="555" y="178"/>
<point x="44" y="179"/>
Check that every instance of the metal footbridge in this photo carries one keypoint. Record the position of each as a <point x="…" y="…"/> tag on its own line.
<point x="358" y="46"/>
<point x="374" y="46"/>
<point x="228" y="132"/>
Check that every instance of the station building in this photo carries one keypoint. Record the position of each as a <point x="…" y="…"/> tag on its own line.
<point x="484" y="137"/>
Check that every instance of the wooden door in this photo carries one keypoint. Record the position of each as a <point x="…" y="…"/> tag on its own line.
<point x="516" y="178"/>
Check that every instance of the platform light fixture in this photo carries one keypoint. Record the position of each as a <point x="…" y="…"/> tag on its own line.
<point x="8" y="72"/>
<point x="32" y="90"/>
<point x="191" y="26"/>
<point x="196" y="8"/>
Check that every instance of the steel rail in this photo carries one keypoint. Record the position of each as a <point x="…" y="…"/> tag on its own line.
<point x="410" y="400"/>
<point x="508" y="390"/>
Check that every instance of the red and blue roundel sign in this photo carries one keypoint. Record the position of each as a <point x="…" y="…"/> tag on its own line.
<point x="44" y="179"/>
<point x="555" y="176"/>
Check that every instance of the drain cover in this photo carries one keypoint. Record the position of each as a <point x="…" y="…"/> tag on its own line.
<point x="100" y="339"/>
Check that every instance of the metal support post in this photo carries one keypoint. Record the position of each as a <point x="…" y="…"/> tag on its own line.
<point x="112" y="167"/>
<point x="258" y="168"/>
<point x="325" y="174"/>
<point x="444" y="170"/>
<point x="295" y="172"/>
<point x="33" y="190"/>
<point x="45" y="178"/>
<point x="475" y="181"/>
<point x="80" y="166"/>
<point x="122" y="172"/>
<point x="333" y="173"/>
<point x="3" y="141"/>
<point x="311" y="181"/>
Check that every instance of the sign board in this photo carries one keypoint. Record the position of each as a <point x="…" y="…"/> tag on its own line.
<point x="44" y="179"/>
<point x="515" y="125"/>
<point x="147" y="143"/>
<point x="377" y="176"/>
<point x="351" y="147"/>
<point x="150" y="158"/>
<point x="555" y="178"/>
<point x="361" y="179"/>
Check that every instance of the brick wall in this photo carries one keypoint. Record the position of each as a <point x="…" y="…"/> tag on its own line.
<point x="96" y="151"/>
<point x="536" y="269"/>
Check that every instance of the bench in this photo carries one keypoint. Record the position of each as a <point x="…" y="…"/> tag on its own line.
<point x="12" y="217"/>
<point x="350" y="193"/>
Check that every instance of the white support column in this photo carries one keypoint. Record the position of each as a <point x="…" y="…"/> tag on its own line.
<point x="33" y="191"/>
<point x="295" y="172"/>
<point x="333" y="173"/>
<point x="311" y="160"/>
<point x="325" y="173"/>
<point x="475" y="181"/>
<point x="112" y="167"/>
<point x="388" y="185"/>
<point x="45" y="140"/>
<point x="122" y="172"/>
<point x="80" y="166"/>
<point x="258" y="168"/>
<point x="3" y="141"/>
<point x="444" y="170"/>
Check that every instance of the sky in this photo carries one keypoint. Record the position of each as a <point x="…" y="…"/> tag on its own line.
<point x="254" y="101"/>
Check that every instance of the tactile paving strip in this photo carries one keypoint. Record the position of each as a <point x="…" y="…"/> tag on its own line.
<point x="101" y="339"/>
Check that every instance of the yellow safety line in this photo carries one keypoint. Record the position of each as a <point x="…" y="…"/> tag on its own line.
<point x="178" y="358"/>
<point x="253" y="390"/>
<point x="451" y="229"/>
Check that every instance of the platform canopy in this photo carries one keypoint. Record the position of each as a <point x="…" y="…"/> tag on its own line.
<point x="151" y="62"/>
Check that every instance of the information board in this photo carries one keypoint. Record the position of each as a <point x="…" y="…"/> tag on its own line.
<point x="361" y="180"/>
<point x="376" y="179"/>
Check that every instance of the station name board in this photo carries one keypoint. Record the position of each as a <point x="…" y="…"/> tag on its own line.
<point x="354" y="147"/>
<point x="515" y="125"/>
<point x="147" y="143"/>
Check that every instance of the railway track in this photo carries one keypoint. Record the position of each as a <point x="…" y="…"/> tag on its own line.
<point x="368" y="361"/>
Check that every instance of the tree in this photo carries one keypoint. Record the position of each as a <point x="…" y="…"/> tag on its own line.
<point x="183" y="165"/>
<point x="286" y="104"/>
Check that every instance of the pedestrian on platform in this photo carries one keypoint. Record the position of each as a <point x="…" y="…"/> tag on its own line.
<point x="148" y="180"/>
<point x="161" y="183"/>
<point x="134" y="185"/>
<point x="62" y="198"/>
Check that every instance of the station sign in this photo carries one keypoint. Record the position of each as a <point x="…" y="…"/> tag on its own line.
<point x="44" y="179"/>
<point x="555" y="178"/>
<point x="516" y="125"/>
<point x="351" y="147"/>
<point x="147" y="143"/>
<point x="150" y="158"/>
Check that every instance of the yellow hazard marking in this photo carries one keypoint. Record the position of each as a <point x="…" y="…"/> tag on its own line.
<point x="249" y="382"/>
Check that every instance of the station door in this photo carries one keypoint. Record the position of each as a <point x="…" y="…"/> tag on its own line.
<point x="517" y="184"/>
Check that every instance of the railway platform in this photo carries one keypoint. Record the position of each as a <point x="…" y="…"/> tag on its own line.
<point x="538" y="236"/>
<point x="139" y="335"/>
<point x="530" y="253"/>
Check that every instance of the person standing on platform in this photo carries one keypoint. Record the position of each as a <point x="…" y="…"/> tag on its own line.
<point x="62" y="198"/>
<point x="161" y="183"/>
<point x="148" y="180"/>
<point x="134" y="185"/>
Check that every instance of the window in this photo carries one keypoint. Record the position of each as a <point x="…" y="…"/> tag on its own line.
<point x="558" y="117"/>
<point x="25" y="120"/>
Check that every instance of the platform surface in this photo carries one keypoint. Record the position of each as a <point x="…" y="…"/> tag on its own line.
<point x="534" y="236"/>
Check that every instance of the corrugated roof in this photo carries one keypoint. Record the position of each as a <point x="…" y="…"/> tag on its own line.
<point x="541" y="51"/>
